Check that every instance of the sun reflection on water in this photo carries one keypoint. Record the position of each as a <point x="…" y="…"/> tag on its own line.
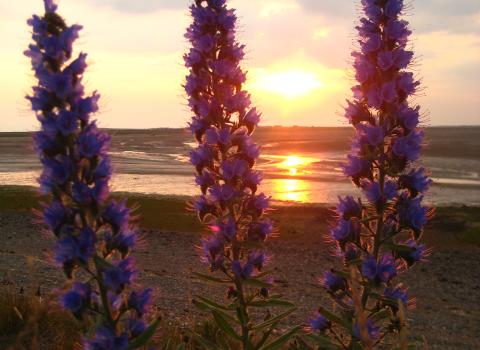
<point x="292" y="190"/>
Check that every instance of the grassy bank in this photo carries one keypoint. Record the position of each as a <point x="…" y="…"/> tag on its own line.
<point x="167" y="213"/>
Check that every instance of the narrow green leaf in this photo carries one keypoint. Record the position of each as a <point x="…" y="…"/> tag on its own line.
<point x="143" y="339"/>
<point x="205" y="342"/>
<point x="257" y="283"/>
<point x="274" y="320"/>
<point x="324" y="342"/>
<point x="271" y="302"/>
<point x="280" y="341"/>
<point x="336" y="319"/>
<point x="224" y="325"/>
<point x="211" y="278"/>
<point x="213" y="304"/>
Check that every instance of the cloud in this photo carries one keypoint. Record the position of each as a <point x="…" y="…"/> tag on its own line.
<point x="329" y="8"/>
<point x="143" y="6"/>
<point x="454" y="16"/>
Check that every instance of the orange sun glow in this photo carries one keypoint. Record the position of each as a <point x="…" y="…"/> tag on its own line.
<point x="290" y="84"/>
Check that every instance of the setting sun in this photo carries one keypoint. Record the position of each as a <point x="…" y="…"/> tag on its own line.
<point x="290" y="84"/>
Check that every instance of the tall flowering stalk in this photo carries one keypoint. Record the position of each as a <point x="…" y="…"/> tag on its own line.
<point x="94" y="235"/>
<point x="230" y="204"/>
<point x="377" y="239"/>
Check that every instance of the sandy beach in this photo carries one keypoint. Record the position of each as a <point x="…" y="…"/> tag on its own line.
<point x="446" y="288"/>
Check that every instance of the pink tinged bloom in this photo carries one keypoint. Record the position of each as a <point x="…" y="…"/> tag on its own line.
<point x="385" y="60"/>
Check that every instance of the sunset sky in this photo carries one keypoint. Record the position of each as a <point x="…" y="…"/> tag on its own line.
<point x="298" y="57"/>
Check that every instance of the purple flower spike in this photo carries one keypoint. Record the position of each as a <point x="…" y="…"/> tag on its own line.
<point x="231" y="205"/>
<point x="367" y="234"/>
<point x="94" y="235"/>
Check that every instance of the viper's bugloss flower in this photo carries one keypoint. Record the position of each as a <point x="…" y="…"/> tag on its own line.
<point x="105" y="338"/>
<point x="93" y="234"/>
<point x="346" y="230"/>
<point x="77" y="299"/>
<point x="373" y="330"/>
<point x="318" y="323"/>
<point x="223" y="122"/>
<point x="397" y="294"/>
<point x="333" y="282"/>
<point x="368" y="234"/>
<point x="379" y="271"/>
<point x="140" y="301"/>
<point x="348" y="208"/>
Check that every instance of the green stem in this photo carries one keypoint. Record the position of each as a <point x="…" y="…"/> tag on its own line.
<point x="103" y="294"/>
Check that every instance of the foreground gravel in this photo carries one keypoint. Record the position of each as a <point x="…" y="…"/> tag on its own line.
<point x="447" y="288"/>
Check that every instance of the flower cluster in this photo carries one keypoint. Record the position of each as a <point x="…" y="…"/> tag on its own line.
<point x="379" y="239"/>
<point x="94" y="235"/>
<point x="224" y="160"/>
